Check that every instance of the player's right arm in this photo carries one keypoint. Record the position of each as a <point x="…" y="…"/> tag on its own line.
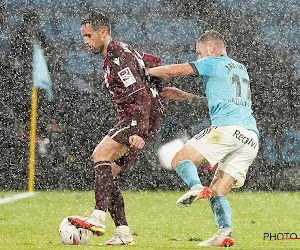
<point x="172" y="70"/>
<point x="178" y="94"/>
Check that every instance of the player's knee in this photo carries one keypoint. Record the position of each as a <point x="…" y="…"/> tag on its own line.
<point x="176" y="159"/>
<point x="96" y="156"/>
<point x="215" y="192"/>
<point x="116" y="169"/>
<point x="100" y="155"/>
<point x="219" y="190"/>
<point x="174" y="164"/>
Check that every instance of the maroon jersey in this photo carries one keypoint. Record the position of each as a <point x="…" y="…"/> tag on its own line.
<point x="134" y="93"/>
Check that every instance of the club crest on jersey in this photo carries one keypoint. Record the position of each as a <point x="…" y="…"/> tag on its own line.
<point x="127" y="77"/>
<point x="117" y="61"/>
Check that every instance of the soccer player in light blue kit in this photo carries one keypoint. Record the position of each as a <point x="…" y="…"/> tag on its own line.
<point x="232" y="139"/>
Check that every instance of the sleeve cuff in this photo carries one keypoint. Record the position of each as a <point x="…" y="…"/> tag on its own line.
<point x="195" y="69"/>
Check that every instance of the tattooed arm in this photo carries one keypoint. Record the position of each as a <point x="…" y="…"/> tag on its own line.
<point x="177" y="94"/>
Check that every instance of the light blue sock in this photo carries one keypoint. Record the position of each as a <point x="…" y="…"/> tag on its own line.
<point x="187" y="170"/>
<point x="222" y="211"/>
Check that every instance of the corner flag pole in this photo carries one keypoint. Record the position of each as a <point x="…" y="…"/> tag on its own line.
<point x="32" y="138"/>
<point x="40" y="79"/>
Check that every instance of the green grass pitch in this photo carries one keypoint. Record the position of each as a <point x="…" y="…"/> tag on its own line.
<point x="154" y="219"/>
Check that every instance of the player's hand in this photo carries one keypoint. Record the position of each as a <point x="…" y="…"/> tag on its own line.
<point x="136" y="142"/>
<point x="174" y="94"/>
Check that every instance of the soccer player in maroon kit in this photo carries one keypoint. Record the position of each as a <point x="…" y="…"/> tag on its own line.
<point x="136" y="96"/>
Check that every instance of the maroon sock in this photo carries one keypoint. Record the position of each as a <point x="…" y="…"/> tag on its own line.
<point x="103" y="184"/>
<point x="116" y="206"/>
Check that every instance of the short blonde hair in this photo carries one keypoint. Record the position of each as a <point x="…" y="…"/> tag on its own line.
<point x="210" y="35"/>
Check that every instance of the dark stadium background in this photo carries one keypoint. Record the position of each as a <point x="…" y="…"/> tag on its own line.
<point x="264" y="35"/>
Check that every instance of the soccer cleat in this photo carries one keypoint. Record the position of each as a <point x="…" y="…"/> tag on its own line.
<point x="197" y="192"/>
<point x="123" y="237"/>
<point x="88" y="223"/>
<point x="117" y="240"/>
<point x="223" y="238"/>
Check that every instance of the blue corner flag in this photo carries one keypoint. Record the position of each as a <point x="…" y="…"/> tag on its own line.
<point x="40" y="75"/>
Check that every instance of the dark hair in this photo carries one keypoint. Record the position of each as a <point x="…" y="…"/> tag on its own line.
<point x="97" y="20"/>
<point x="211" y="35"/>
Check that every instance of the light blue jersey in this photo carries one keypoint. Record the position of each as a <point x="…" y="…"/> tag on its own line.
<point x="227" y="88"/>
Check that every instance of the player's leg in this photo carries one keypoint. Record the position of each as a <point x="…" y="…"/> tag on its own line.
<point x="185" y="163"/>
<point x="230" y="173"/>
<point x="106" y="152"/>
<point x="116" y="209"/>
<point x="116" y="206"/>
<point x="209" y="145"/>
<point x="221" y="185"/>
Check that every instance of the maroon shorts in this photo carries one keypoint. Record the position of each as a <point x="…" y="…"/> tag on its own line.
<point x="126" y="128"/>
<point x="123" y="130"/>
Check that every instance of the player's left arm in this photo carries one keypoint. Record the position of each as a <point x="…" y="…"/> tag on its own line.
<point x="173" y="93"/>
<point x="136" y="142"/>
<point x="173" y="70"/>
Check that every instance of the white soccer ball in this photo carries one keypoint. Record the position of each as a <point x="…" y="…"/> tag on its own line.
<point x="70" y="235"/>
